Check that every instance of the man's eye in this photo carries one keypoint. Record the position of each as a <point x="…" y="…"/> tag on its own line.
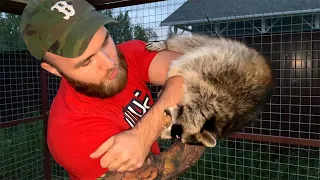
<point x="87" y="62"/>
<point x="105" y="45"/>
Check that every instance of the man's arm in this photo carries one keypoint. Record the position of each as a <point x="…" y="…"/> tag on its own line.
<point x="175" y="160"/>
<point x="169" y="164"/>
<point x="159" y="66"/>
<point x="128" y="150"/>
<point x="154" y="120"/>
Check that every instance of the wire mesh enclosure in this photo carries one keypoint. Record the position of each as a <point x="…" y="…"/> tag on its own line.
<point x="283" y="144"/>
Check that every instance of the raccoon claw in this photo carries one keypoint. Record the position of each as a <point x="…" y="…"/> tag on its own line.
<point x="155" y="46"/>
<point x="159" y="93"/>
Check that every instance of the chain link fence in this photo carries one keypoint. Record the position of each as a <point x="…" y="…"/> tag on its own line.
<point x="21" y="134"/>
<point x="283" y="144"/>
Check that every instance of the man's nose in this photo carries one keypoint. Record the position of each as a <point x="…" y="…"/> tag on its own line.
<point x="106" y="62"/>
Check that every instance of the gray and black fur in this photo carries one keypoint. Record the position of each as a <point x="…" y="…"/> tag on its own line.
<point x="226" y="84"/>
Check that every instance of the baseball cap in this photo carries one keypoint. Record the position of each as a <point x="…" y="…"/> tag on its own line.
<point x="62" y="27"/>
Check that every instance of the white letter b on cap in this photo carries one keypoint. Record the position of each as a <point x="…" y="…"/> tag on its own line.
<point x="65" y="8"/>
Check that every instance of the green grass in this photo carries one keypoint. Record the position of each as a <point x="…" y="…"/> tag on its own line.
<point x="21" y="152"/>
<point x="21" y="157"/>
<point x="243" y="160"/>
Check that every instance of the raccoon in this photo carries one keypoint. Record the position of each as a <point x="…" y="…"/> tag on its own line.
<point x="226" y="83"/>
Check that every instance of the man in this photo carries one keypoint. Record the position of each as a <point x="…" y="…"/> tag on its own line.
<point x="101" y="122"/>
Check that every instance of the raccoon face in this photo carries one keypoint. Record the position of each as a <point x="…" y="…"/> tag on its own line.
<point x="181" y="130"/>
<point x="204" y="137"/>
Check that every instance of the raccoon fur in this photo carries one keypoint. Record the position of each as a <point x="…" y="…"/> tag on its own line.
<point x="226" y="83"/>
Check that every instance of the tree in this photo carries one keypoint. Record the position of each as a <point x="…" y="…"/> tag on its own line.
<point x="124" y="30"/>
<point x="144" y="34"/>
<point x="11" y="40"/>
<point x="10" y="37"/>
<point x="121" y="31"/>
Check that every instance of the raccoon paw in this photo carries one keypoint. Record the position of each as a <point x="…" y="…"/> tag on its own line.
<point x="156" y="46"/>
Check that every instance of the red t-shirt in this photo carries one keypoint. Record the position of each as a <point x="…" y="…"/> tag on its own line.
<point x="79" y="124"/>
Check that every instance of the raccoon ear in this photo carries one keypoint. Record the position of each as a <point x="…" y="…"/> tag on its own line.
<point x="208" y="139"/>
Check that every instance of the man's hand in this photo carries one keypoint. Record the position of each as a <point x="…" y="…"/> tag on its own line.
<point x="122" y="152"/>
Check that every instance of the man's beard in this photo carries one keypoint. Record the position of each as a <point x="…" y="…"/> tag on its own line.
<point x="106" y="88"/>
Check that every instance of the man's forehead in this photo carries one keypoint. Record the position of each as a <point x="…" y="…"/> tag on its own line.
<point x="96" y="42"/>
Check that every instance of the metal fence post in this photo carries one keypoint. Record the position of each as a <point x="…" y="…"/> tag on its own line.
<point x="45" y="112"/>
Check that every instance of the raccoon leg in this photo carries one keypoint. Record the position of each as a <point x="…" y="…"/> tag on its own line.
<point x="179" y="43"/>
<point x="156" y="46"/>
<point x="185" y="43"/>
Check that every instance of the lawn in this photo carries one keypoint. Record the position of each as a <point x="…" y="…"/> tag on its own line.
<point x="21" y="157"/>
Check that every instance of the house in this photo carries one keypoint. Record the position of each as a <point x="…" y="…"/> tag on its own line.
<point x="246" y="18"/>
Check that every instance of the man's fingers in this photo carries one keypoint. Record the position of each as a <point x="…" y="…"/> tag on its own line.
<point x="116" y="164"/>
<point x="129" y="166"/>
<point x="108" y="158"/>
<point x="131" y="169"/>
<point x="103" y="148"/>
<point x="124" y="168"/>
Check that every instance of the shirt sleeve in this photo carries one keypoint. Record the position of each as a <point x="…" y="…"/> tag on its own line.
<point x="138" y="57"/>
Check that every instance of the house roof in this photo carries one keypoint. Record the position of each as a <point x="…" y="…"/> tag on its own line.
<point x="197" y="11"/>
<point x="17" y="6"/>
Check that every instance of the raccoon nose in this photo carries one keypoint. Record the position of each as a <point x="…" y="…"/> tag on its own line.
<point x="176" y="131"/>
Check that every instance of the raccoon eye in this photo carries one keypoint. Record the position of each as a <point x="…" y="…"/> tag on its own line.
<point x="209" y="124"/>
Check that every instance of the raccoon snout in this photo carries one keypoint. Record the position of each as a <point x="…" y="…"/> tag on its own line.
<point x="176" y="131"/>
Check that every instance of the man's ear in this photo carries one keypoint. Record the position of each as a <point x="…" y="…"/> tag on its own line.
<point x="50" y="69"/>
<point x="207" y="139"/>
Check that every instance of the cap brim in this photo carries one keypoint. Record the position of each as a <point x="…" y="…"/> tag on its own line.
<point x="74" y="42"/>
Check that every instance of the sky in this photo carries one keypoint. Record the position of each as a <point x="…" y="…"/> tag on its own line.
<point x="150" y="15"/>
